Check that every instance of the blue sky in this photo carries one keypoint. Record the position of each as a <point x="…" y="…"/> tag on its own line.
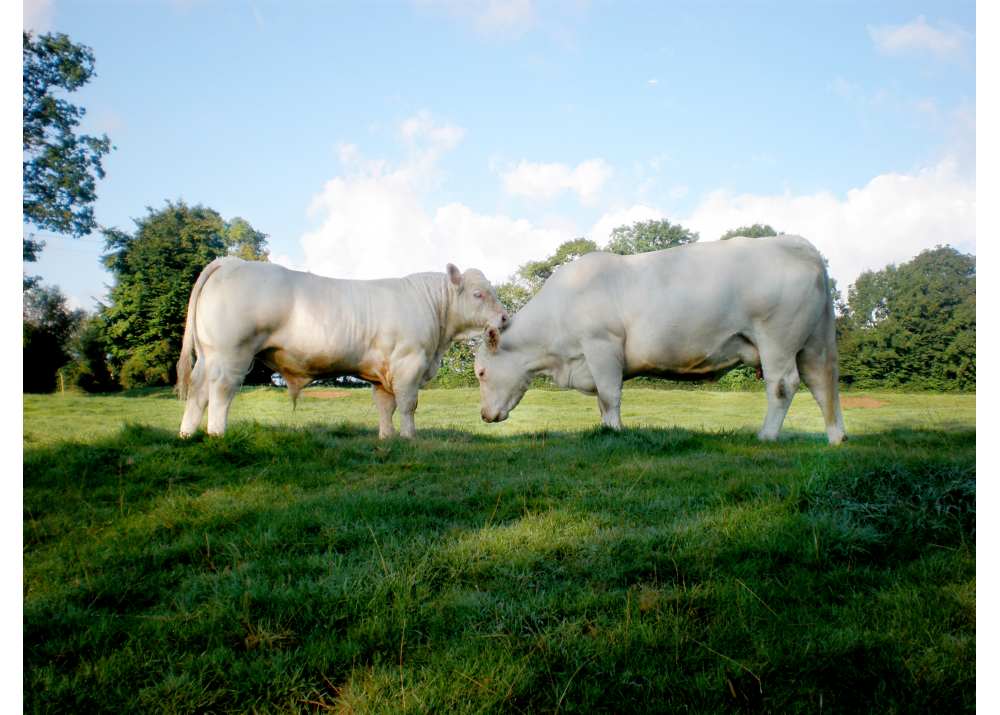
<point x="378" y="139"/>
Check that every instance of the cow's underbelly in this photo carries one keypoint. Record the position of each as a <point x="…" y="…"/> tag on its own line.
<point x="326" y="364"/>
<point x="690" y="359"/>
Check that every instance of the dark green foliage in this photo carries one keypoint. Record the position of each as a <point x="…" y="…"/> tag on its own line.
<point x="283" y="570"/>
<point x="155" y="270"/>
<point x="457" y="367"/>
<point x="60" y="169"/>
<point x="48" y="326"/>
<point x="912" y="326"/>
<point x="89" y="368"/>
<point x="643" y="236"/>
<point x="755" y="231"/>
<point x="244" y="241"/>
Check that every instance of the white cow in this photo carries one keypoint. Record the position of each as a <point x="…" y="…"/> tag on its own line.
<point x="391" y="332"/>
<point x="692" y="312"/>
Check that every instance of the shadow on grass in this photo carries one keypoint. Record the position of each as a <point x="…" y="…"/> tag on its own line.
<point x="599" y="571"/>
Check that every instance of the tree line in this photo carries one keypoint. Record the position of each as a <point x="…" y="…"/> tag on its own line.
<point x="906" y="326"/>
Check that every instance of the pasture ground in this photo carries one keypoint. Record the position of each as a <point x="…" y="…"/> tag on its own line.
<point x="298" y="565"/>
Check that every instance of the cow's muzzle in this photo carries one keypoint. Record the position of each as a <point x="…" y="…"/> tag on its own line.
<point x="492" y="417"/>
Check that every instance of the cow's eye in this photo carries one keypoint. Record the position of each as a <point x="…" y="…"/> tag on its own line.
<point x="477" y="294"/>
<point x="482" y="373"/>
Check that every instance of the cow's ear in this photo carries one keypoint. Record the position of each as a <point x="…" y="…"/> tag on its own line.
<point x="454" y="274"/>
<point x="492" y="337"/>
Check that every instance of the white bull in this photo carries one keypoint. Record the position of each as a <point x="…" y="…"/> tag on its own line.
<point x="688" y="313"/>
<point x="391" y="332"/>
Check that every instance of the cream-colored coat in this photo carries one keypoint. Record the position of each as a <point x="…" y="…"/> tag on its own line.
<point x="391" y="332"/>
<point x="688" y="313"/>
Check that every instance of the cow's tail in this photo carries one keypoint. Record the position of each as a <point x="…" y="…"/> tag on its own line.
<point x="831" y="370"/>
<point x="191" y="347"/>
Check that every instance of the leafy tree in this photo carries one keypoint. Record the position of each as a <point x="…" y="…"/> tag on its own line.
<point x="643" y="236"/>
<point x="912" y="324"/>
<point x="88" y="347"/>
<point x="513" y="296"/>
<point x="48" y="325"/>
<point x="457" y="366"/>
<point x="60" y="169"/>
<point x="154" y="271"/>
<point x="755" y="231"/>
<point x="533" y="274"/>
<point x="243" y="241"/>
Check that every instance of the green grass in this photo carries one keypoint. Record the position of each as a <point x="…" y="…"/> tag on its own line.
<point x="83" y="417"/>
<point x="543" y="565"/>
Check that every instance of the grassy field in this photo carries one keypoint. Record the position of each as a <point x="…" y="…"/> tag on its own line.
<point x="84" y="417"/>
<point x="542" y="565"/>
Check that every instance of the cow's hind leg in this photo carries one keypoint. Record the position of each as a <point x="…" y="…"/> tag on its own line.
<point x="197" y="398"/>
<point x="385" y="403"/>
<point x="782" y="380"/>
<point x="224" y="378"/>
<point x="817" y="363"/>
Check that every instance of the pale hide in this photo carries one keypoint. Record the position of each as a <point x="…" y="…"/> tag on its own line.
<point x="693" y="312"/>
<point x="391" y="332"/>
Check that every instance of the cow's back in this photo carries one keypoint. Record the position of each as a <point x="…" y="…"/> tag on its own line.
<point x="700" y="280"/>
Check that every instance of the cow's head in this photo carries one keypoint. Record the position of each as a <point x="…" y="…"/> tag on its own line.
<point x="475" y="305"/>
<point x="503" y="377"/>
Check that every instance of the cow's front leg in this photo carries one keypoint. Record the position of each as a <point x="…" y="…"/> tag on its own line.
<point x="407" y="376"/>
<point x="406" y="398"/>
<point x="606" y="366"/>
<point x="385" y="403"/>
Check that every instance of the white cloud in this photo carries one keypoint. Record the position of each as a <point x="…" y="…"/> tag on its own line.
<point x="37" y="15"/>
<point x="496" y="16"/>
<point x="548" y="181"/>
<point x="850" y="92"/>
<point x="497" y="245"/>
<point x="891" y="219"/>
<point x="660" y="160"/>
<point x="948" y="44"/>
<point x="505" y="15"/>
<point x="426" y="140"/>
<point x="601" y="231"/>
<point x="440" y="136"/>
<point x="375" y="225"/>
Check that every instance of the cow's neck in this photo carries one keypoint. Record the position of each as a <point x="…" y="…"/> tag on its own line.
<point x="534" y="342"/>
<point x="438" y="301"/>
